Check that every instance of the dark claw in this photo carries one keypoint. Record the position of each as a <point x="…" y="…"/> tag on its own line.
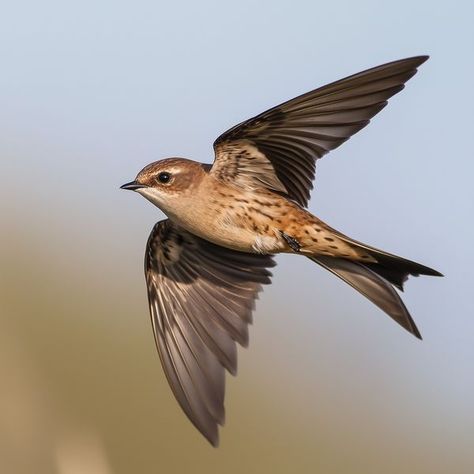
<point x="291" y="241"/>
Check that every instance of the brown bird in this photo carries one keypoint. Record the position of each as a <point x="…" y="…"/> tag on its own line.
<point x="207" y="262"/>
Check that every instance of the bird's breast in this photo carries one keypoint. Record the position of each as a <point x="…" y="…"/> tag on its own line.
<point x="238" y="220"/>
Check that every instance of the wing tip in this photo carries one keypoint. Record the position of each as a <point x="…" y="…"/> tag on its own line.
<point x="213" y="438"/>
<point x="434" y="273"/>
<point x="413" y="61"/>
<point x="421" y="58"/>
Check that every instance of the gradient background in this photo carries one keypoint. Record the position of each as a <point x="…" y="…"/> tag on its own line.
<point x="92" y="91"/>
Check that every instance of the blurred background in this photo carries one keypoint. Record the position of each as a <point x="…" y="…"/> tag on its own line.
<point x="92" y="91"/>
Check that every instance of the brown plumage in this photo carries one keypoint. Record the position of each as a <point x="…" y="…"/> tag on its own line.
<point x="207" y="262"/>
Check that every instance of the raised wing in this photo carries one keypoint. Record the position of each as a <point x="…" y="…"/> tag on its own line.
<point x="201" y="299"/>
<point x="278" y="149"/>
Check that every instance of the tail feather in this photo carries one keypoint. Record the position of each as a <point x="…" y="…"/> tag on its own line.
<point x="373" y="286"/>
<point x="397" y="269"/>
<point x="393" y="268"/>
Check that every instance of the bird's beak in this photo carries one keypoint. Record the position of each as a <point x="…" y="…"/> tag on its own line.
<point x="132" y="186"/>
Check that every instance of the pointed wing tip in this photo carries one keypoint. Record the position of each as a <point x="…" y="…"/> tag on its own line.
<point x="421" y="59"/>
<point x="213" y="438"/>
<point x="416" y="61"/>
<point x="190" y="377"/>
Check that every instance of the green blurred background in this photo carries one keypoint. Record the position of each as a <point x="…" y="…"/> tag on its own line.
<point x="92" y="91"/>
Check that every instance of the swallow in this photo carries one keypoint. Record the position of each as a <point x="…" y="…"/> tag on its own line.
<point x="207" y="262"/>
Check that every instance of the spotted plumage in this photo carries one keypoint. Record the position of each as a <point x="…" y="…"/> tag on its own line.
<point x="207" y="262"/>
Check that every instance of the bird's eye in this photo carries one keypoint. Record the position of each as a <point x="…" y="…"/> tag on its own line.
<point x="164" y="177"/>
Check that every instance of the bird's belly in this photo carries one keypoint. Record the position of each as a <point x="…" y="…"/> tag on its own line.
<point x="236" y="229"/>
<point x="239" y="238"/>
<point x="235" y="239"/>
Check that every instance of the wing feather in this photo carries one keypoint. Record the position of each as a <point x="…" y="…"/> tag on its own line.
<point x="201" y="298"/>
<point x="278" y="149"/>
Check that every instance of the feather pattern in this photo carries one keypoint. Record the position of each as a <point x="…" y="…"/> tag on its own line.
<point x="278" y="149"/>
<point x="374" y="287"/>
<point x="201" y="298"/>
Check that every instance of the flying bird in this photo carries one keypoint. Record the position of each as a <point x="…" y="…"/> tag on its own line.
<point x="206" y="263"/>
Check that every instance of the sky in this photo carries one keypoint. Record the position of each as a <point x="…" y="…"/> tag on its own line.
<point x="90" y="92"/>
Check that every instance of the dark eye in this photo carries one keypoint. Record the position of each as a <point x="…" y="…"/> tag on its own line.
<point x="164" y="177"/>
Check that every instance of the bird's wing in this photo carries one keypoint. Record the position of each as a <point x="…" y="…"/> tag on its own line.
<point x="201" y="299"/>
<point x="278" y="149"/>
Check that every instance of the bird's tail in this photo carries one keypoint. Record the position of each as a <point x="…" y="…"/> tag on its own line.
<point x="376" y="279"/>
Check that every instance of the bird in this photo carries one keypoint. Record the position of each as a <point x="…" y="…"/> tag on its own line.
<point x="207" y="262"/>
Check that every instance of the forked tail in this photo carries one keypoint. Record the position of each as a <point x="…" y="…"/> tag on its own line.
<point x="376" y="280"/>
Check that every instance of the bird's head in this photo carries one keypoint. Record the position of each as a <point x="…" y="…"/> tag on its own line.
<point x="167" y="183"/>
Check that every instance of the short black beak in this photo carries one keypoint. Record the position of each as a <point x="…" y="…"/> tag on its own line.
<point x="132" y="186"/>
